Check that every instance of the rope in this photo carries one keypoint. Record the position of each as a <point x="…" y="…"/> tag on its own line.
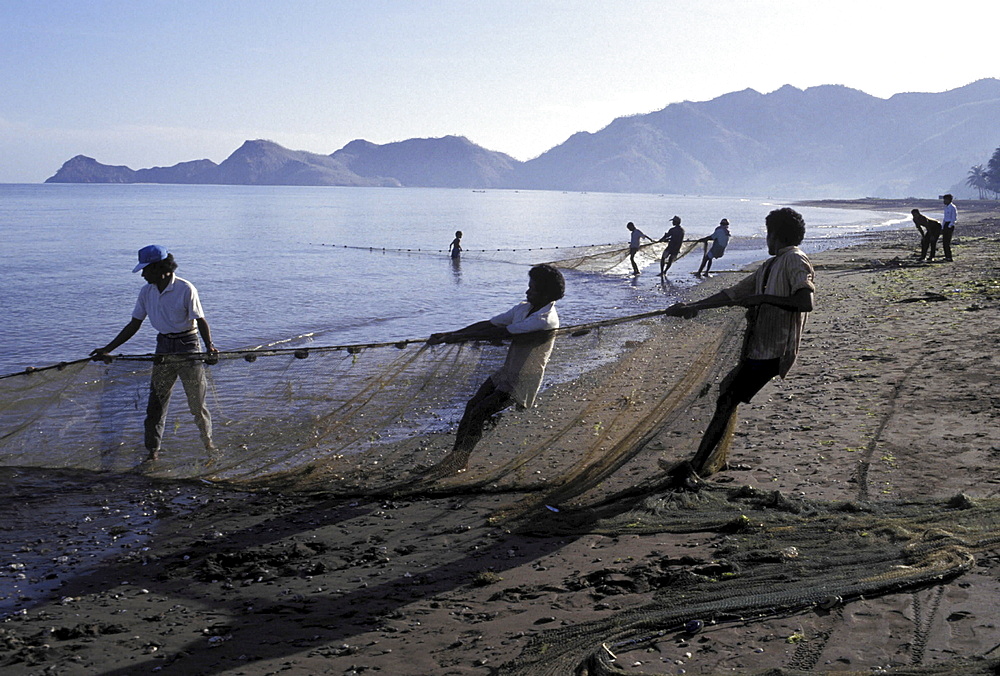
<point x="381" y="249"/>
<point x="464" y="250"/>
<point x="251" y="355"/>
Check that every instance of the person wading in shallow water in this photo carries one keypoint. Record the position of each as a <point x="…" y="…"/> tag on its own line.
<point x="674" y="237"/>
<point x="633" y="245"/>
<point x="777" y="297"/>
<point x="529" y="326"/>
<point x="720" y="240"/>
<point x="455" y="248"/>
<point x="174" y="309"/>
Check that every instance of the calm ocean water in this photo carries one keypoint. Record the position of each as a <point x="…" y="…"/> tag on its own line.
<point x="271" y="262"/>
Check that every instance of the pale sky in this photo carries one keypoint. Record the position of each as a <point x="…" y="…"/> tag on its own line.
<point x="153" y="83"/>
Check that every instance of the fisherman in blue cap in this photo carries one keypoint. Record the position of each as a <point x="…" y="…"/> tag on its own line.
<point x="174" y="309"/>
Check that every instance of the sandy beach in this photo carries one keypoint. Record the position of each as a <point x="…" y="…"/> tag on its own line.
<point x="856" y="531"/>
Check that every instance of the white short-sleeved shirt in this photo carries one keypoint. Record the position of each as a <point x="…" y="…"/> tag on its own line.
<point x="637" y="236"/>
<point x="529" y="352"/>
<point x="174" y="310"/>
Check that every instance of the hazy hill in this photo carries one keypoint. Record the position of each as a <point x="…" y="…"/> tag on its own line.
<point x="449" y="162"/>
<point x="254" y="163"/>
<point x="83" y="169"/>
<point x="827" y="141"/>
<point x="267" y="163"/>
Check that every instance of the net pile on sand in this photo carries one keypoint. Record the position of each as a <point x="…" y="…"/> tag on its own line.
<point x="781" y="556"/>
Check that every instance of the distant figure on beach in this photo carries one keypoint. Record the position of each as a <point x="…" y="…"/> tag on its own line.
<point x="674" y="237"/>
<point x="720" y="240"/>
<point x="777" y="297"/>
<point x="529" y="325"/>
<point x="633" y="245"/>
<point x="929" y="230"/>
<point x="174" y="309"/>
<point x="948" y="220"/>
<point x="456" y="245"/>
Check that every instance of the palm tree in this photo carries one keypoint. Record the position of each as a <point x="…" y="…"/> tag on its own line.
<point x="993" y="173"/>
<point x="978" y="179"/>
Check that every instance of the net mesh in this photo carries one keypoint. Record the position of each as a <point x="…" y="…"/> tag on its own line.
<point x="373" y="420"/>
<point x="357" y="418"/>
<point x="781" y="556"/>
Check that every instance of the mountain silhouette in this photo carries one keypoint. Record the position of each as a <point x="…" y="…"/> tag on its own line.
<point x="825" y="141"/>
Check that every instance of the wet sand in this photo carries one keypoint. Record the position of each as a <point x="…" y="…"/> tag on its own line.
<point x="894" y="399"/>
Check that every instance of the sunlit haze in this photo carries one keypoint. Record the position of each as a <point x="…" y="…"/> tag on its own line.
<point x="148" y="84"/>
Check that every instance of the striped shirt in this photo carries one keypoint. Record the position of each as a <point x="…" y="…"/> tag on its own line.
<point x="772" y="332"/>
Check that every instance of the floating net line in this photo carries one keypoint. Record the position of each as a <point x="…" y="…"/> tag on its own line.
<point x="607" y="259"/>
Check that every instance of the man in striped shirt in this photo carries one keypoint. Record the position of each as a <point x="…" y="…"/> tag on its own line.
<point x="777" y="297"/>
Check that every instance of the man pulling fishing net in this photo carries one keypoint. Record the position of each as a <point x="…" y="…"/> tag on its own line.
<point x="777" y="297"/>
<point x="529" y="326"/>
<point x="174" y="309"/>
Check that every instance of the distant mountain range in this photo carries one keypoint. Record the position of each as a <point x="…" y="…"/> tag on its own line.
<point x="827" y="141"/>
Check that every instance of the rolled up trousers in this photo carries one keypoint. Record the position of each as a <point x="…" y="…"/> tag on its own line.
<point x="165" y="374"/>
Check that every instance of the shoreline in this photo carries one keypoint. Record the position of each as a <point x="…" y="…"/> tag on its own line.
<point x="874" y="413"/>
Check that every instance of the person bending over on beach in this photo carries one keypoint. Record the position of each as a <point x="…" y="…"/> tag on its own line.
<point x="777" y="297"/>
<point x="948" y="220"/>
<point x="929" y="230"/>
<point x="530" y="326"/>
<point x="633" y="245"/>
<point x="719" y="240"/>
<point x="674" y="237"/>
<point x="174" y="309"/>
<point x="456" y="245"/>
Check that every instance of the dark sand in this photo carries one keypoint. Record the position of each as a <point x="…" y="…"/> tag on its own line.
<point x="894" y="398"/>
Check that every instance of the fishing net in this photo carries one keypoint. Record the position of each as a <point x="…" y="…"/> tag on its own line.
<point x="374" y="420"/>
<point x="779" y="556"/>
<point x="359" y="419"/>
<point x="604" y="259"/>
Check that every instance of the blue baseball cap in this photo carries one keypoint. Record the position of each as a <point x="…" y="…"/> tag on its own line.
<point x="154" y="253"/>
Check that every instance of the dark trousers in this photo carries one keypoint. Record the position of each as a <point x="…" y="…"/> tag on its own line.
<point x="165" y="374"/>
<point x="946" y="234"/>
<point x="740" y="385"/>
<point x="485" y="403"/>
<point x="928" y="243"/>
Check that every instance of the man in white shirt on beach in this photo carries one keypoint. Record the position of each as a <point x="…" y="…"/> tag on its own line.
<point x="948" y="220"/>
<point x="174" y="309"/>
<point x="529" y="326"/>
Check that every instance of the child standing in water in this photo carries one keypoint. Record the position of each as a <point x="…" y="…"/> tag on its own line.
<point x="456" y="245"/>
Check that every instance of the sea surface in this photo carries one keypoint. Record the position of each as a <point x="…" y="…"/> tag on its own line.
<point x="287" y="265"/>
<point x="340" y="265"/>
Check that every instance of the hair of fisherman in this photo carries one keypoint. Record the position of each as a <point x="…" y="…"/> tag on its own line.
<point x="787" y="225"/>
<point x="550" y="281"/>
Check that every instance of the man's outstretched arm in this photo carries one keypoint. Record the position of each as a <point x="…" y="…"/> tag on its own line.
<point x="484" y="330"/>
